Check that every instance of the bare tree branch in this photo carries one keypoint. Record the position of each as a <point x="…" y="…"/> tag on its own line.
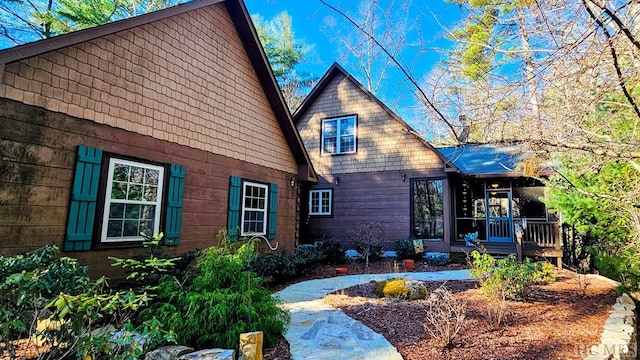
<point x="624" y="29"/>
<point x="401" y="67"/>
<point x="614" y="57"/>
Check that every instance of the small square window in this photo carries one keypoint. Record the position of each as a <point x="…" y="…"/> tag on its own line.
<point x="339" y="135"/>
<point x="320" y="202"/>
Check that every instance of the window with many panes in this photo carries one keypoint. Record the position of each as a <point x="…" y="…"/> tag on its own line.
<point x="133" y="200"/>
<point x="320" y="202"/>
<point x="254" y="208"/>
<point x="427" y="197"/>
<point x="339" y="135"/>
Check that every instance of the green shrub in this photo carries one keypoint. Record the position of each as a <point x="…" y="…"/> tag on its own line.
<point x="405" y="250"/>
<point x="281" y="267"/>
<point x="507" y="277"/>
<point x="437" y="260"/>
<point x="145" y="271"/>
<point x="458" y="258"/>
<point x="623" y="266"/>
<point x="402" y="288"/>
<point x="222" y="300"/>
<point x="42" y="282"/>
<point x="92" y="309"/>
<point x="545" y="272"/>
<point x="27" y="283"/>
<point x="331" y="252"/>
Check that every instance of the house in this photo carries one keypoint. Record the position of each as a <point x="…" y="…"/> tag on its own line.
<point x="167" y="122"/>
<point x="371" y="165"/>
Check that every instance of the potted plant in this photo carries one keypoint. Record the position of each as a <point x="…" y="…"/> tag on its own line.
<point x="409" y="251"/>
<point x="408" y="264"/>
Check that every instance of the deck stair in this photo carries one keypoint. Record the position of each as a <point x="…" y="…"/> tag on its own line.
<point x="496" y="249"/>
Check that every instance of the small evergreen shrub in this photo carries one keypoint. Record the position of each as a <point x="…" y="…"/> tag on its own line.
<point x="219" y="302"/>
<point x="331" y="252"/>
<point x="457" y="258"/>
<point x="402" y="289"/>
<point x="405" y="250"/>
<point x="281" y="267"/>
<point x="438" y="260"/>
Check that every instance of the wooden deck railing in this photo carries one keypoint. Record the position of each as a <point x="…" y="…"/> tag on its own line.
<point x="542" y="235"/>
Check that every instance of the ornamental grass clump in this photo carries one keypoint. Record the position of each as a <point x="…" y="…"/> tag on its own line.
<point x="402" y="289"/>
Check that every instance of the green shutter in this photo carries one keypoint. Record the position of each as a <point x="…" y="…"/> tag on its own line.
<point x="273" y="211"/>
<point x="233" y="217"/>
<point x="175" y="195"/>
<point x="84" y="195"/>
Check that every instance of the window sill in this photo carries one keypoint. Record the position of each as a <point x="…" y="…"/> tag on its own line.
<point x="118" y="245"/>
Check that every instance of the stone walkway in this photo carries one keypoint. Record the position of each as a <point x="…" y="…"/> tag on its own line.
<point x="320" y="332"/>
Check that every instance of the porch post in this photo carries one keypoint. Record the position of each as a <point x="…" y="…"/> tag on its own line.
<point x="519" y="245"/>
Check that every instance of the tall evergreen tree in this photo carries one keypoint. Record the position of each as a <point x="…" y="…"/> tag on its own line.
<point x="285" y="54"/>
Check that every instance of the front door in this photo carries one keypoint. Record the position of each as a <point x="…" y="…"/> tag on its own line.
<point x="499" y="220"/>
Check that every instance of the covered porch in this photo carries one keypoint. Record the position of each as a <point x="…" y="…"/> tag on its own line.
<point x="497" y="208"/>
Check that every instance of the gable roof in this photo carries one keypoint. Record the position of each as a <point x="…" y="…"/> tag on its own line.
<point x="485" y="160"/>
<point x="247" y="33"/>
<point x="337" y="70"/>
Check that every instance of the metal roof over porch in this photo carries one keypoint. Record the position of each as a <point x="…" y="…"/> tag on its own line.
<point x="484" y="160"/>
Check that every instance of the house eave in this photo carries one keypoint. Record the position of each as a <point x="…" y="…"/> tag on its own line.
<point x="39" y="47"/>
<point x="248" y="35"/>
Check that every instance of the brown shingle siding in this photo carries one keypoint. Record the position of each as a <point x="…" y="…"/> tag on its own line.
<point x="50" y="139"/>
<point x="185" y="66"/>
<point x="383" y="144"/>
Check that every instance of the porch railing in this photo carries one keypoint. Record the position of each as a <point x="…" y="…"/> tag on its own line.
<point x="543" y="235"/>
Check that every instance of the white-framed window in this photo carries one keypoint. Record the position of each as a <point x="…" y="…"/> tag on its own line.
<point x="339" y="135"/>
<point x="255" y="205"/>
<point x="320" y="202"/>
<point x="133" y="200"/>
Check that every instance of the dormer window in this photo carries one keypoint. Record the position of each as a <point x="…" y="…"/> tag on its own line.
<point x="339" y="135"/>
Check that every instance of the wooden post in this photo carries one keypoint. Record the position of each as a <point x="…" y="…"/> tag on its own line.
<point x="251" y="346"/>
<point x="519" y="245"/>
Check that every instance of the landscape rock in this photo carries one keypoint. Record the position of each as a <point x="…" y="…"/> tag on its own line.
<point x="619" y="338"/>
<point x="624" y="307"/>
<point x="626" y="300"/>
<point x="109" y="329"/>
<point x="417" y="290"/>
<point x="170" y="352"/>
<point x="210" y="354"/>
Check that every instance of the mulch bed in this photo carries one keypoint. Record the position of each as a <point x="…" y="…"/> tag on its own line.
<point x="554" y="321"/>
<point x="560" y="320"/>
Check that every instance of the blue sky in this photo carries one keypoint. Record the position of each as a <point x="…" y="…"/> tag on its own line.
<point x="310" y="18"/>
